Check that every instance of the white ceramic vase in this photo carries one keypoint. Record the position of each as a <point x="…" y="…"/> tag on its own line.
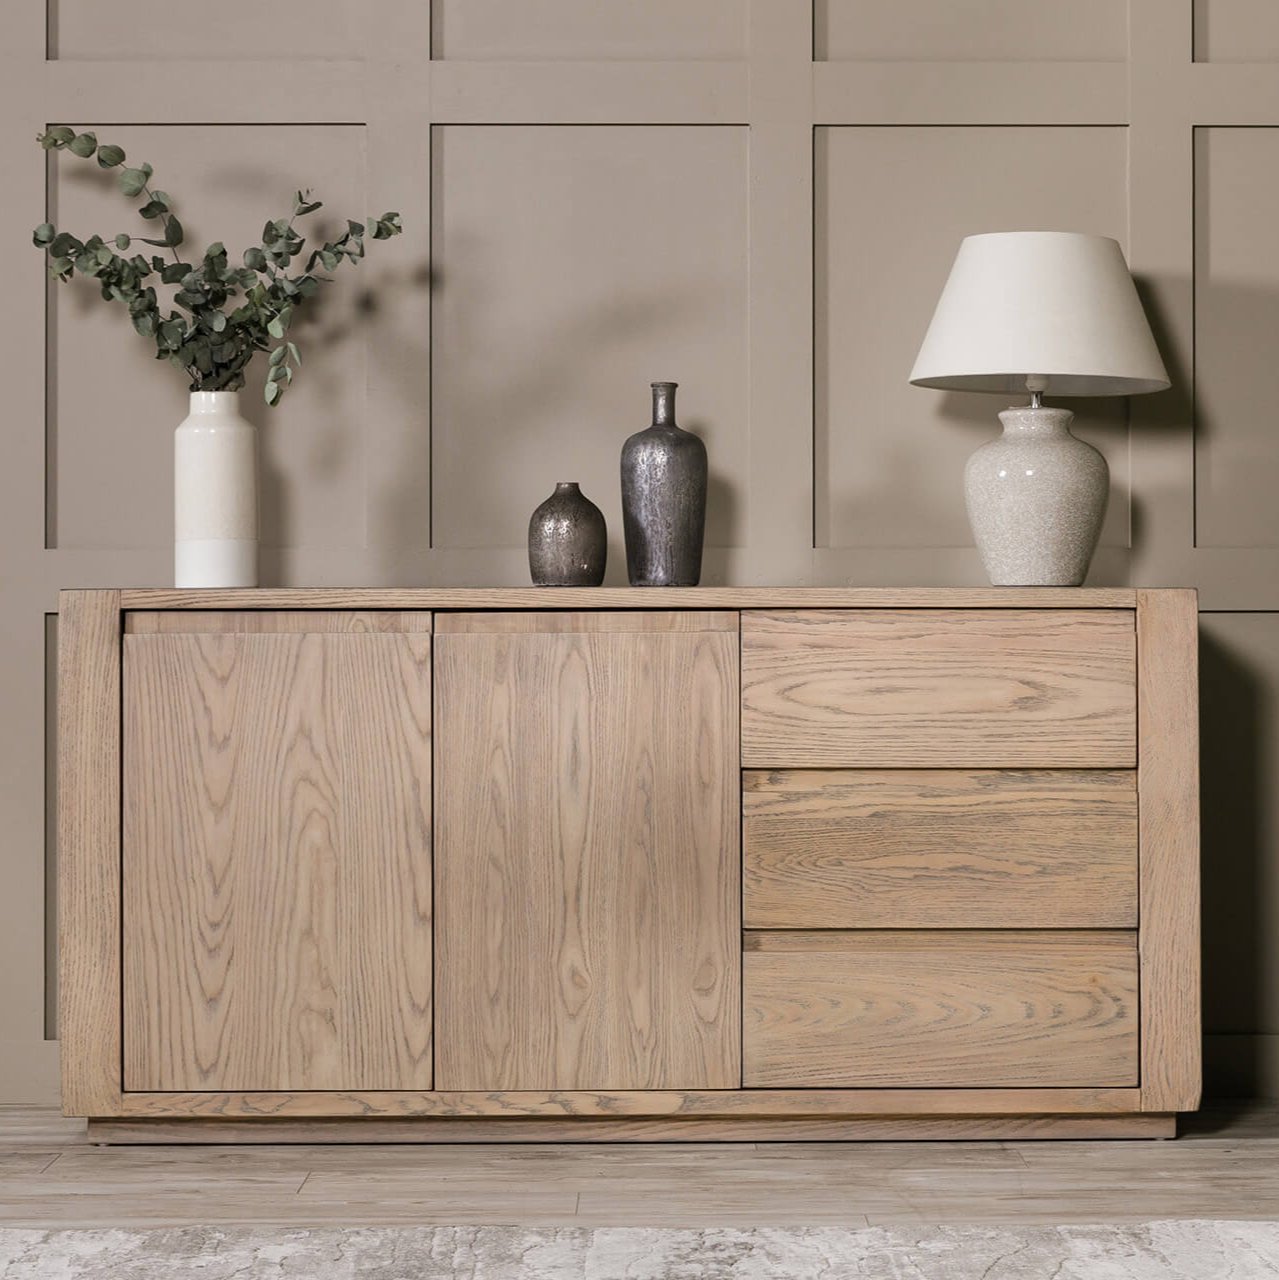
<point x="1036" y="499"/>
<point x="215" y="494"/>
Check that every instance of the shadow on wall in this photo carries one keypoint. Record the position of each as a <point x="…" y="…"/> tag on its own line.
<point x="1235" y="710"/>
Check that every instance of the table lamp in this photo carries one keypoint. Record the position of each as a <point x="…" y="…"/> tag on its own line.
<point x="1038" y="312"/>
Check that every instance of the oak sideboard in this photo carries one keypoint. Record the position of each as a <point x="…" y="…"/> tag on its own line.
<point x="742" y="863"/>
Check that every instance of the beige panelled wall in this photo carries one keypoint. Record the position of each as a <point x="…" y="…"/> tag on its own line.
<point x="759" y="198"/>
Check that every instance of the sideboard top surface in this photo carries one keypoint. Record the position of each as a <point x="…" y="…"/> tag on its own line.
<point x="631" y="598"/>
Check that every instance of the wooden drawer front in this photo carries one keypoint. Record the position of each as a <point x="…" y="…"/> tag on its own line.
<point x="938" y="1010"/>
<point x="974" y="688"/>
<point x="940" y="848"/>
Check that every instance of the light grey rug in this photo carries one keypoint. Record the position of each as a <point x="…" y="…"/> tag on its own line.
<point x="1185" y="1250"/>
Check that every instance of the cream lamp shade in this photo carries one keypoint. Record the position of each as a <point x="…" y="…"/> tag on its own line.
<point x="1057" y="306"/>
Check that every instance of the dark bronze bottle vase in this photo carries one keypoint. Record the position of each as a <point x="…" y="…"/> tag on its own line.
<point x="664" y="499"/>
<point x="567" y="540"/>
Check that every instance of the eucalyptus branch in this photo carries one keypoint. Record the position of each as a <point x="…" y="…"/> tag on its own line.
<point x="211" y="343"/>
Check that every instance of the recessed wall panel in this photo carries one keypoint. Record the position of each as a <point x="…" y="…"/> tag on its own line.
<point x="554" y="30"/>
<point x="573" y="266"/>
<point x="891" y="206"/>
<point x="1238" y="701"/>
<point x="1236" y="329"/>
<point x="971" y="30"/>
<point x="143" y="30"/>
<point x="1236" y="31"/>
<point x="112" y="408"/>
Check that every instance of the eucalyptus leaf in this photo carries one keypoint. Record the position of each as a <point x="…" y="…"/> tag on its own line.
<point x="224" y="313"/>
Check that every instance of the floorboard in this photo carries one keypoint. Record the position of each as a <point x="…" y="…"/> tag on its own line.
<point x="1226" y="1165"/>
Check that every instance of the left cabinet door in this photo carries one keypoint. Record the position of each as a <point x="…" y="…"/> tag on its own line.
<point x="277" y="851"/>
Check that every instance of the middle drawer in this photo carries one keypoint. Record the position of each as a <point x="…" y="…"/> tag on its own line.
<point x="939" y="848"/>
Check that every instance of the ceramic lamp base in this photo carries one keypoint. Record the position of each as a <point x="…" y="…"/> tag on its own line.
<point x="1036" y="499"/>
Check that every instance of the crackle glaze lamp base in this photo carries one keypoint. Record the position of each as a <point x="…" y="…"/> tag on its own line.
<point x="1038" y="312"/>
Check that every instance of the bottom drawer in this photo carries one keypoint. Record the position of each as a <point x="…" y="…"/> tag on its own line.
<point x="934" y="1009"/>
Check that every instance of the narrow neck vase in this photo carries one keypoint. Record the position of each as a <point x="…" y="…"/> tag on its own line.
<point x="664" y="481"/>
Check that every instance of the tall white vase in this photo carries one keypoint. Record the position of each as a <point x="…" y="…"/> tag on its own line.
<point x="215" y="495"/>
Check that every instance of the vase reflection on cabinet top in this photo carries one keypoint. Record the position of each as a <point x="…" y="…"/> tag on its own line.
<point x="664" y="478"/>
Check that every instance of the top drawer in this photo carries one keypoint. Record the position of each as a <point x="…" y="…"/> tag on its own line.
<point x="973" y="688"/>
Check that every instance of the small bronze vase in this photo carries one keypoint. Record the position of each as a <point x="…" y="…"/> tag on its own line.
<point x="567" y="540"/>
<point x="664" y="499"/>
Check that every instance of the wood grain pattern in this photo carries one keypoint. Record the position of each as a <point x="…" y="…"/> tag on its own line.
<point x="940" y="1009"/>
<point x="683" y="1104"/>
<point x="960" y="688"/>
<point x="583" y="598"/>
<point x="89" y="850"/>
<point x="272" y="621"/>
<point x="507" y="623"/>
<point x="918" y="1128"/>
<point x="277" y="874"/>
<point x="1168" y="786"/>
<point x="921" y="848"/>
<point x="588" y="871"/>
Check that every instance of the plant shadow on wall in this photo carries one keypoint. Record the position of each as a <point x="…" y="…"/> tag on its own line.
<point x="509" y="400"/>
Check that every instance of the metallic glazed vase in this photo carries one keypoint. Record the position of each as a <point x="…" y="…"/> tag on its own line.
<point x="1036" y="498"/>
<point x="664" y="499"/>
<point x="567" y="540"/>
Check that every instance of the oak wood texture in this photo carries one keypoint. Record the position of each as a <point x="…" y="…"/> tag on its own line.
<point x="277" y="875"/>
<point x="938" y="1128"/>
<point x="970" y="688"/>
<point x="587" y="859"/>
<point x="272" y="621"/>
<point x="1168" y="786"/>
<point x="932" y="848"/>
<point x="89" y="850"/>
<point x="940" y="1009"/>
<point x="668" y="598"/>
<point x="618" y="1104"/>
<point x="508" y="623"/>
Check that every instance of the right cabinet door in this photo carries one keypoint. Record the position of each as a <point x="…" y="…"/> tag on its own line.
<point x="587" y="851"/>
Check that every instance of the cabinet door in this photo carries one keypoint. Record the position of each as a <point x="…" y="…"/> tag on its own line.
<point x="277" y="862"/>
<point x="587" y="855"/>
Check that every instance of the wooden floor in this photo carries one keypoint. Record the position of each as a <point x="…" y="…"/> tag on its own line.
<point x="1226" y="1165"/>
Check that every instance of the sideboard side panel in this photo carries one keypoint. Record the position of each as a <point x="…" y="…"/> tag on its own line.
<point x="1168" y="827"/>
<point x="89" y="851"/>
